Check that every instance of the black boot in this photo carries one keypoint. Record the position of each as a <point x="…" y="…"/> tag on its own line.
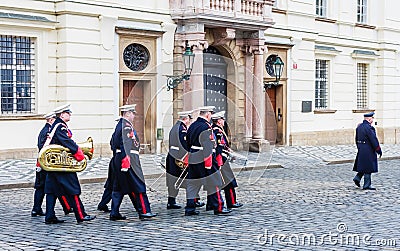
<point x="172" y="204"/>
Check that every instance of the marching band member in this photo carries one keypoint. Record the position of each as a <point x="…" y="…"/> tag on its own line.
<point x="41" y="174"/>
<point x="127" y="172"/>
<point x="222" y="151"/>
<point x="59" y="182"/>
<point x="202" y="169"/>
<point x="178" y="151"/>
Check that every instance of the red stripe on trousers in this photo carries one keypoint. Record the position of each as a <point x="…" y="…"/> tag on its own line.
<point x="219" y="200"/>
<point x="78" y="206"/>
<point x="232" y="196"/>
<point x="133" y="194"/>
<point x="142" y="202"/>
<point x="67" y="206"/>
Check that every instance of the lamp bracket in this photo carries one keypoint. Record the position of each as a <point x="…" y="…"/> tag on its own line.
<point x="174" y="80"/>
<point x="270" y="84"/>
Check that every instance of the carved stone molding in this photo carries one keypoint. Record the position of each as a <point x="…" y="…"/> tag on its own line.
<point x="223" y="35"/>
<point x="251" y="46"/>
<point x="195" y="40"/>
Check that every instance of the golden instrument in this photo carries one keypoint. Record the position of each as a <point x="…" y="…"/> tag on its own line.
<point x="180" y="164"/>
<point x="56" y="158"/>
<point x="183" y="166"/>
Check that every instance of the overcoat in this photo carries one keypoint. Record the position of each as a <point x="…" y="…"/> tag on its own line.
<point x="367" y="146"/>
<point x="125" y="141"/>
<point x="61" y="183"/>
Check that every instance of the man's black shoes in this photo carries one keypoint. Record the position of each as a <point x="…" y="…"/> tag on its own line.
<point x="236" y="205"/>
<point x="147" y="216"/>
<point x="87" y="218"/>
<point x="117" y="217"/>
<point x="192" y="213"/>
<point x="174" y="206"/>
<point x="68" y="212"/>
<point x="104" y="209"/>
<point x="357" y="182"/>
<point x="54" y="221"/>
<point x="199" y="204"/>
<point x="223" y="211"/>
<point x="369" y="188"/>
<point x="40" y="213"/>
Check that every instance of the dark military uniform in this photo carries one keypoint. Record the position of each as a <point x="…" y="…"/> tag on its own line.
<point x="229" y="180"/>
<point x="368" y="147"/>
<point x="41" y="179"/>
<point x="106" y="197"/>
<point x="201" y="145"/>
<point x="125" y="142"/>
<point x="108" y="188"/>
<point x="178" y="150"/>
<point x="64" y="183"/>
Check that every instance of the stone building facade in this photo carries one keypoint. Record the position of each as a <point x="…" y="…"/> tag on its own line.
<point x="341" y="59"/>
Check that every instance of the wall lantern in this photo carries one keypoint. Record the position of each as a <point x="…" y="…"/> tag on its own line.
<point x="188" y="61"/>
<point x="274" y="66"/>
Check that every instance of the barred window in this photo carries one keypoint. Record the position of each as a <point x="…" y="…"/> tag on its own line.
<point x="321" y="84"/>
<point x="17" y="74"/>
<point x="362" y="101"/>
<point x="361" y="11"/>
<point x="320" y="8"/>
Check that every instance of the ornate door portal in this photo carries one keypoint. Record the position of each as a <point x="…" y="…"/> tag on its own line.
<point x="215" y="91"/>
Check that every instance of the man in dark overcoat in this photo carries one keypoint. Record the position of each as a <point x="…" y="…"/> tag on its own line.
<point x="177" y="154"/>
<point x="127" y="172"/>
<point x="222" y="152"/>
<point x="203" y="167"/>
<point x="60" y="182"/>
<point x="368" y="148"/>
<point x="41" y="174"/>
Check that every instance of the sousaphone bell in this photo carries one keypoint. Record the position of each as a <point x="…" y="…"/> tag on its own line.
<point x="56" y="158"/>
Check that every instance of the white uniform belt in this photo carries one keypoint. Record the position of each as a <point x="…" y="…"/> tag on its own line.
<point x="174" y="148"/>
<point x="200" y="148"/>
<point x="132" y="151"/>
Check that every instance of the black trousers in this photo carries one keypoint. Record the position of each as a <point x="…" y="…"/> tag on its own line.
<point x="76" y="203"/>
<point x="140" y="202"/>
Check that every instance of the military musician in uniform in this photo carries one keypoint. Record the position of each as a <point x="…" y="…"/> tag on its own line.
<point x="203" y="169"/>
<point x="222" y="152"/>
<point x="60" y="182"/>
<point x="41" y="174"/>
<point x="127" y="172"/>
<point x="177" y="158"/>
<point x="368" y="148"/>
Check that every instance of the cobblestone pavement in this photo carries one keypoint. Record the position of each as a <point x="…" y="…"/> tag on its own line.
<point x="307" y="205"/>
<point x="21" y="172"/>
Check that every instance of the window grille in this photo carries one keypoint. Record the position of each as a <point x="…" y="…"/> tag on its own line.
<point x="17" y="77"/>
<point x="320" y="8"/>
<point x="321" y="84"/>
<point x="361" y="11"/>
<point x="362" y="101"/>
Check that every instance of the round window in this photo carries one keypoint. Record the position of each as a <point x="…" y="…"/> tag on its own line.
<point x="136" y="57"/>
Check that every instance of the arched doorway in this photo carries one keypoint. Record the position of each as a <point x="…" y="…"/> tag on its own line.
<point x="215" y="79"/>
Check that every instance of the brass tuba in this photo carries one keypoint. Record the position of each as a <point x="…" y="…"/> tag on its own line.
<point x="56" y="158"/>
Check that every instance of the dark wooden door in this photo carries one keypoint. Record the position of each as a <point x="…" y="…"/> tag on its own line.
<point x="215" y="90"/>
<point x="270" y="118"/>
<point x="133" y="94"/>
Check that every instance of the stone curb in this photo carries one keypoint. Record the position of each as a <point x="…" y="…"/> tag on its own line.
<point x="90" y="180"/>
<point x="344" y="161"/>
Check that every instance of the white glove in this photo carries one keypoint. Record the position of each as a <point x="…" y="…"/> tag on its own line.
<point x="38" y="169"/>
<point x="124" y="169"/>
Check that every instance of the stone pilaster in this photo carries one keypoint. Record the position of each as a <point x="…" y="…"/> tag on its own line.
<point x="193" y="89"/>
